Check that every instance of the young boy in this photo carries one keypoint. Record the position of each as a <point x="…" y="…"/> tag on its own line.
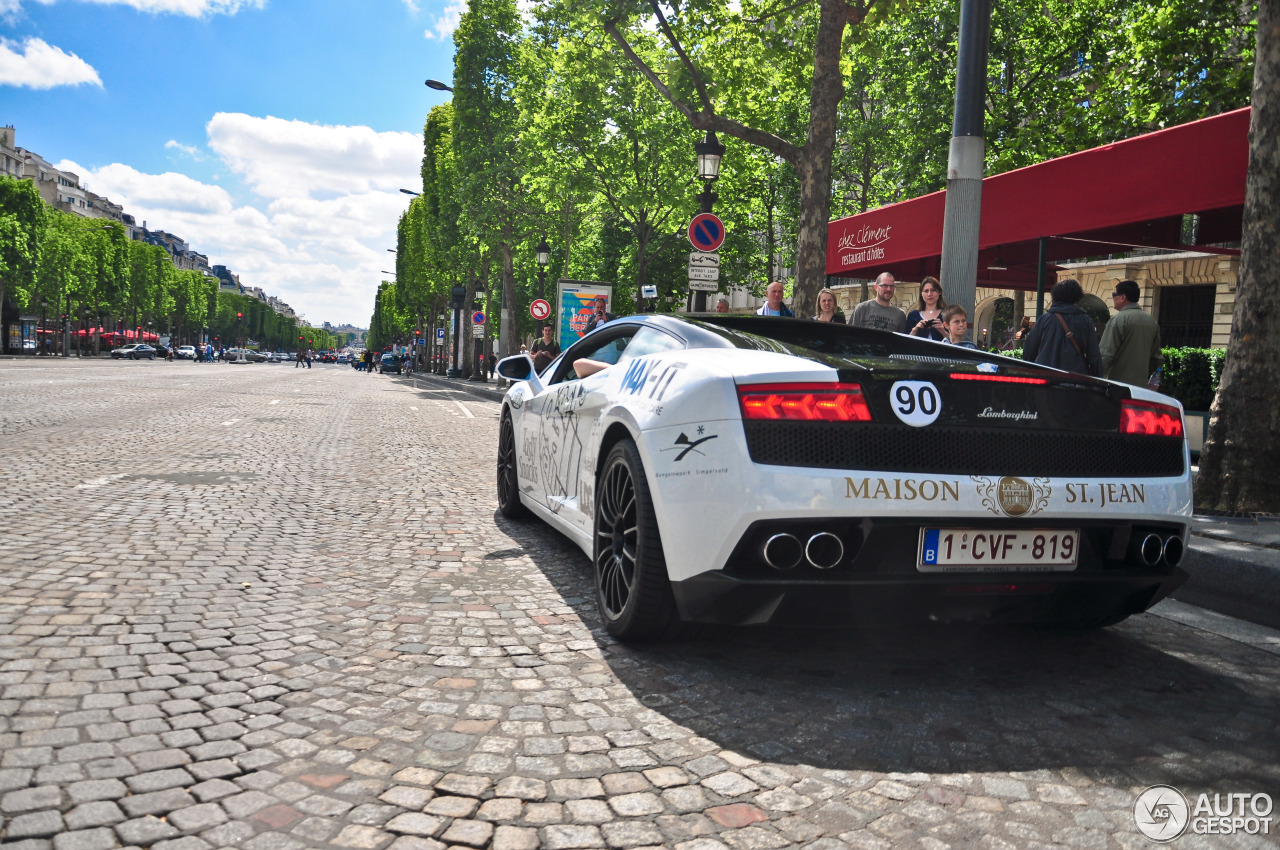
<point x="956" y="323"/>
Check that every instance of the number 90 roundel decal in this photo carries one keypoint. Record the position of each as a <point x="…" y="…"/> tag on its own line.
<point x="917" y="403"/>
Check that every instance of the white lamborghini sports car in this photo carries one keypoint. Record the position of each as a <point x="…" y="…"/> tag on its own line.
<point x="744" y="469"/>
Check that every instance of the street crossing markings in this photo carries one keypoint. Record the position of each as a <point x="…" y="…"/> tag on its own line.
<point x="231" y="422"/>
<point x="274" y="401"/>
<point x="411" y="407"/>
<point x="470" y="415"/>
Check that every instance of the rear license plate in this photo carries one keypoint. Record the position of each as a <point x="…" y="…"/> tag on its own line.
<point x="953" y="550"/>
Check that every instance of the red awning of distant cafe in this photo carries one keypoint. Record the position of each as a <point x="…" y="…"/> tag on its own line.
<point x="1101" y="201"/>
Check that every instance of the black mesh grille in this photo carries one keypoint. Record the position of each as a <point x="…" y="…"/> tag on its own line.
<point x="831" y="445"/>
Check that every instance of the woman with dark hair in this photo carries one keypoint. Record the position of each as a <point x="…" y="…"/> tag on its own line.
<point x="1065" y="336"/>
<point x="925" y="319"/>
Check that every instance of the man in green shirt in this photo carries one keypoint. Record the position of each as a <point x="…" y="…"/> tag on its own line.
<point x="1131" y="342"/>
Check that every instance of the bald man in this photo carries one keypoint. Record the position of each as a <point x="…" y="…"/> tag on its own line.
<point x="773" y="305"/>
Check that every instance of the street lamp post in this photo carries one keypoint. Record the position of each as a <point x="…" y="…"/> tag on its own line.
<point x="710" y="152"/>
<point x="438" y="86"/>
<point x="544" y="257"/>
<point x="40" y="335"/>
<point x="479" y="342"/>
<point x="456" y="303"/>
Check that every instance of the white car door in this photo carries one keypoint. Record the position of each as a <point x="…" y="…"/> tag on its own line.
<point x="559" y="420"/>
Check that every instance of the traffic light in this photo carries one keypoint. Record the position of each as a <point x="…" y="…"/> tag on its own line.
<point x="240" y="317"/>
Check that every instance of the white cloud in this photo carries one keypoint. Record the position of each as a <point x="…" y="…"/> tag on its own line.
<point x="38" y="65"/>
<point x="410" y="5"/>
<point x="447" y="21"/>
<point x="190" y="150"/>
<point x="191" y="8"/>
<point x="280" y="159"/>
<point x="320" y="240"/>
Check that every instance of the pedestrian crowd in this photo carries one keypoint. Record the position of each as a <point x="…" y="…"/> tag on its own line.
<point x="1065" y="337"/>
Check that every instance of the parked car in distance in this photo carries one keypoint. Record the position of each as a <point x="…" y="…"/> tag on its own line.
<point x="185" y="352"/>
<point x="136" y="351"/>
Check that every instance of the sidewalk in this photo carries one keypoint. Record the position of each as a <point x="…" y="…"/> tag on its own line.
<point x="1235" y="567"/>
<point x="487" y="391"/>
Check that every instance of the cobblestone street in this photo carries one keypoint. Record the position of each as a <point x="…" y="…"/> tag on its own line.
<point x="260" y="607"/>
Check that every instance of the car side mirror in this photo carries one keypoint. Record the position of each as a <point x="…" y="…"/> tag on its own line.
<point x="517" y="367"/>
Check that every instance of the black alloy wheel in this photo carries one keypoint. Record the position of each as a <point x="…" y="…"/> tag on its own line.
<point x="633" y="592"/>
<point x="509" y="503"/>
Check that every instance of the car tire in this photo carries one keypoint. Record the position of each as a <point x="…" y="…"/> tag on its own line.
<point x="633" y="591"/>
<point x="152" y="357"/>
<point x="509" y="504"/>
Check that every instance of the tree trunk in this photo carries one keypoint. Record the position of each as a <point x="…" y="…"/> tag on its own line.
<point x="466" y="342"/>
<point x="814" y="167"/>
<point x="1241" y="457"/>
<point x="771" y="238"/>
<point x="507" y="323"/>
<point x="643" y="235"/>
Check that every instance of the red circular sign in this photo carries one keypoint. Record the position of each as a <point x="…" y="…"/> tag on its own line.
<point x="706" y="232"/>
<point x="539" y="309"/>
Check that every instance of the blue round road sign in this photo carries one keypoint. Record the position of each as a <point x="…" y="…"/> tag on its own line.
<point x="477" y="318"/>
<point x="706" y="232"/>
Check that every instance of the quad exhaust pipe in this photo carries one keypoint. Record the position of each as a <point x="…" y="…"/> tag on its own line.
<point x="822" y="551"/>
<point x="783" y="551"/>
<point x="1153" y="549"/>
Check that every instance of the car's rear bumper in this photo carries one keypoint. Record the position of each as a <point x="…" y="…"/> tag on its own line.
<point x="989" y="597"/>
<point x="877" y="578"/>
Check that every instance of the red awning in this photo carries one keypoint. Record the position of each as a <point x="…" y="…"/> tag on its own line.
<point x="1099" y="201"/>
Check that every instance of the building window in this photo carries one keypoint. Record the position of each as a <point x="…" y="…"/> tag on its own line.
<point x="1186" y="316"/>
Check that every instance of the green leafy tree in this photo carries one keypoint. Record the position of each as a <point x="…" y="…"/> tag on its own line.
<point x="23" y="219"/>
<point x="486" y="131"/>
<point x="602" y="118"/>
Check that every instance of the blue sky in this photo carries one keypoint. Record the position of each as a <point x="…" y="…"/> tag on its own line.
<point x="273" y="135"/>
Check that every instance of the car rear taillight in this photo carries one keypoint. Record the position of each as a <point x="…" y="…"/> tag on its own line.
<point x="999" y="379"/>
<point x="804" y="402"/>
<point x="1147" y="417"/>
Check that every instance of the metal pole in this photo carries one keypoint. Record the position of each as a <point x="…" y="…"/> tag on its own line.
<point x="963" y="216"/>
<point x="708" y="199"/>
<point x="455" y="370"/>
<point x="1040" y="264"/>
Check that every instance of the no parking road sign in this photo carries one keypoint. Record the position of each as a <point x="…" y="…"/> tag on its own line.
<point x="706" y="232"/>
<point x="539" y="309"/>
<point x="477" y="318"/>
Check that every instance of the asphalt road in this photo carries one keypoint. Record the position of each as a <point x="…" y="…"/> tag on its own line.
<point x="263" y="607"/>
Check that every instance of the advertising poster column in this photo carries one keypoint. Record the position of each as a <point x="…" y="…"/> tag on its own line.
<point x="575" y="298"/>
